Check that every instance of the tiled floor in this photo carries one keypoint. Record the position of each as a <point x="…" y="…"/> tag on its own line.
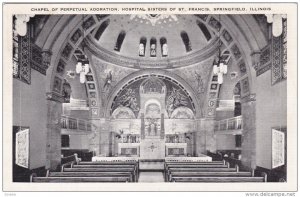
<point x="150" y="177"/>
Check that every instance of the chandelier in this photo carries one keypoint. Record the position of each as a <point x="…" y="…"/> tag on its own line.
<point x="82" y="66"/>
<point x="220" y="65"/>
<point x="276" y="19"/>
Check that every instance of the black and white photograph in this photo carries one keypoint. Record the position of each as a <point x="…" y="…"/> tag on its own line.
<point x="140" y="94"/>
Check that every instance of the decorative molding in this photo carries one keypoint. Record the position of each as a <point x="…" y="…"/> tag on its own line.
<point x="24" y="59"/>
<point x="249" y="98"/>
<point x="53" y="96"/>
<point x="116" y="59"/>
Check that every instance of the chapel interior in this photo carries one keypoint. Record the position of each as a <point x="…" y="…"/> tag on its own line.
<point x="150" y="89"/>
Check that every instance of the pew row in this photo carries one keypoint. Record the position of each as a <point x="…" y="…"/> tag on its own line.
<point x="92" y="174"/>
<point x="79" y="179"/>
<point x="207" y="174"/>
<point x="217" y="179"/>
<point x="130" y="170"/>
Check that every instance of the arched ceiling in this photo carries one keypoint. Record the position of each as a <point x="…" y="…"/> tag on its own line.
<point x="137" y="27"/>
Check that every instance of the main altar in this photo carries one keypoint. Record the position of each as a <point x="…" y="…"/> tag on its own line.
<point x="152" y="119"/>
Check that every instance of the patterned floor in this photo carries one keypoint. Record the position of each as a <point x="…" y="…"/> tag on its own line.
<point x="150" y="177"/>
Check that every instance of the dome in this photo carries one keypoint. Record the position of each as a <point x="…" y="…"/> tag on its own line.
<point x="152" y="37"/>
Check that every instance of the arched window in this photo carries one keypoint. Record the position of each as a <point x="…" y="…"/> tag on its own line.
<point x="153" y="47"/>
<point x="101" y="29"/>
<point x="164" y="47"/>
<point x="120" y="40"/>
<point x="142" y="46"/>
<point x="204" y="30"/>
<point x="186" y="41"/>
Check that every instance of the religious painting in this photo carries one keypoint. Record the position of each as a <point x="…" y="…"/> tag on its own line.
<point x="214" y="86"/>
<point x="215" y="78"/>
<point x="88" y="23"/>
<point x="91" y="86"/>
<point x="57" y="84"/>
<point x="227" y="37"/>
<point x="89" y="78"/>
<point x="67" y="51"/>
<point x="76" y="36"/>
<point x="245" y="87"/>
<point x="243" y="68"/>
<point x="22" y="147"/>
<point x="215" y="23"/>
<point x="92" y="94"/>
<point x="236" y="52"/>
<point x="278" y="147"/>
<point x="60" y="67"/>
<point x="93" y="102"/>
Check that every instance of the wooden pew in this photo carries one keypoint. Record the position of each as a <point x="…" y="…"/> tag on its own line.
<point x="79" y="179"/>
<point x="168" y="171"/>
<point x="130" y="170"/>
<point x="91" y="174"/>
<point x="208" y="174"/>
<point x="104" y="166"/>
<point x="195" y="166"/>
<point x="217" y="179"/>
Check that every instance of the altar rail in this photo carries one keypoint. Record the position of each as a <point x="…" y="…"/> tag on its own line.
<point x="115" y="159"/>
<point x="75" y="124"/>
<point x="202" y="158"/>
<point x="235" y="123"/>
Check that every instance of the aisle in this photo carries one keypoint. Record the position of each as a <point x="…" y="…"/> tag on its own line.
<point x="149" y="177"/>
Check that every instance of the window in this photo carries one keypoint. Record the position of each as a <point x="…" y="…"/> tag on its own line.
<point x="65" y="141"/>
<point x="186" y="41"/>
<point x="153" y="47"/>
<point x="204" y="29"/>
<point x="120" y="40"/>
<point x="238" y="141"/>
<point x="164" y="47"/>
<point x="101" y="29"/>
<point x="142" y="47"/>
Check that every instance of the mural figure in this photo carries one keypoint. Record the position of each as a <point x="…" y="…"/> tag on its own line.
<point x="199" y="80"/>
<point x="108" y="81"/>
<point x="66" y="91"/>
<point x="129" y="100"/>
<point x="175" y="99"/>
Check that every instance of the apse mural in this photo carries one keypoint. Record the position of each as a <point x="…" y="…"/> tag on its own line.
<point x="176" y="96"/>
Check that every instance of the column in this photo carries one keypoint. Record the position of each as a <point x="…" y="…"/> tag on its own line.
<point x="53" y="146"/>
<point x="142" y="126"/>
<point x="248" y="148"/>
<point x="162" y="126"/>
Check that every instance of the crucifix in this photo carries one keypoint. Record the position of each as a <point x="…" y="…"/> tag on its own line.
<point x="152" y="147"/>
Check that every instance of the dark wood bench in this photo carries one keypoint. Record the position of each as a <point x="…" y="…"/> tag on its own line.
<point x="130" y="170"/>
<point x="208" y="174"/>
<point x="104" y="166"/>
<point x="79" y="179"/>
<point x="92" y="174"/>
<point x="168" y="171"/>
<point x="217" y="179"/>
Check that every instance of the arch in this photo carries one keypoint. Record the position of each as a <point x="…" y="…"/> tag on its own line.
<point x="186" y="41"/>
<point x="160" y="74"/>
<point x="164" y="47"/>
<point x="101" y="29"/>
<point x="123" y="113"/>
<point x="120" y="40"/>
<point x="153" y="46"/>
<point x="57" y="29"/>
<point x="142" y="46"/>
<point x="182" y="113"/>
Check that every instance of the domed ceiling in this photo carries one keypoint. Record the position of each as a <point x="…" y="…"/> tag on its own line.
<point x="183" y="34"/>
